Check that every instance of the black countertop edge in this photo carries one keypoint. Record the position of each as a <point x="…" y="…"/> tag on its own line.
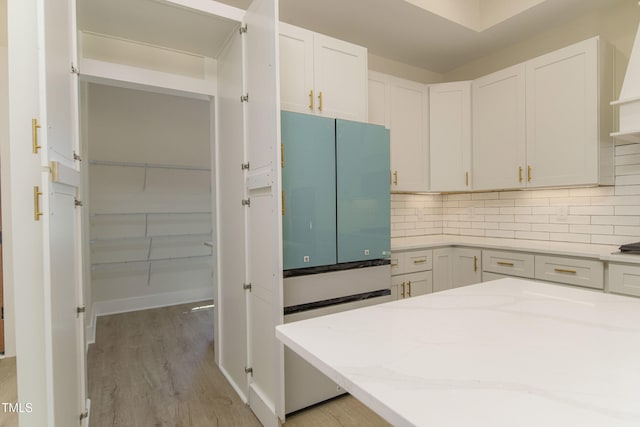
<point x="335" y="267"/>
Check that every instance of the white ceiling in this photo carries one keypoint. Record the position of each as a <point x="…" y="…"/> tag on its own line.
<point x="394" y="29"/>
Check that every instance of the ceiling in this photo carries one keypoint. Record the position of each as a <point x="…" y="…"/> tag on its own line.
<point x="402" y="30"/>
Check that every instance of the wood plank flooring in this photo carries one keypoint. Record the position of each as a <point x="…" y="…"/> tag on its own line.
<point x="156" y="368"/>
<point x="8" y="391"/>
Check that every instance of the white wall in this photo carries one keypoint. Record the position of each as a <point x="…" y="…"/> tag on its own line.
<point x="149" y="198"/>
<point x="9" y="324"/>
<point x="402" y="70"/>
<point x="617" y="25"/>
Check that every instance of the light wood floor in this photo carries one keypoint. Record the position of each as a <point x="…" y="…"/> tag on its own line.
<point x="8" y="391"/>
<point x="156" y="368"/>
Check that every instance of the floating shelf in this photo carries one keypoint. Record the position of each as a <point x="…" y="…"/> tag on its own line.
<point x="148" y="165"/>
<point x="94" y="265"/>
<point x="633" y="136"/>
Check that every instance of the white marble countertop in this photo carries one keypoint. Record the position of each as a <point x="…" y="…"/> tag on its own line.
<point x="503" y="353"/>
<point x="601" y="252"/>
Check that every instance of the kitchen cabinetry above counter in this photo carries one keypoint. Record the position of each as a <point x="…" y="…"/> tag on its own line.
<point x="539" y="124"/>
<point x="321" y="75"/>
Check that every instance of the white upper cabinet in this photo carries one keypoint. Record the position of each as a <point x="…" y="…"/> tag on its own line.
<point x="322" y="75"/>
<point x="499" y="130"/>
<point x="564" y="144"/>
<point x="450" y="136"/>
<point x="403" y="107"/>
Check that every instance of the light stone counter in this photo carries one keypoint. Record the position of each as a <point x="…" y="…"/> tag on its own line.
<point x="504" y="353"/>
<point x="601" y="252"/>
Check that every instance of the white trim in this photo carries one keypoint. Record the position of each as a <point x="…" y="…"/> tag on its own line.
<point x="103" y="72"/>
<point x="262" y="407"/>
<point x="211" y="7"/>
<point x="238" y="390"/>
<point x="125" y="305"/>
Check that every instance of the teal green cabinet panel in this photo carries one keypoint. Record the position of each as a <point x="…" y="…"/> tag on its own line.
<point x="363" y="191"/>
<point x="309" y="190"/>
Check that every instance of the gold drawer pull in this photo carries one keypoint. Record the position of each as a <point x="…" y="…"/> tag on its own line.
<point x="34" y="135"/>
<point x="475" y="263"/>
<point x="419" y="261"/>
<point x="395" y="177"/>
<point x="36" y="203"/>
<point x="529" y="174"/>
<point x="402" y="289"/>
<point x="563" y="270"/>
<point x="320" y="102"/>
<point x="508" y="264"/>
<point x="311" y="100"/>
<point x="409" y="285"/>
<point x="520" y="173"/>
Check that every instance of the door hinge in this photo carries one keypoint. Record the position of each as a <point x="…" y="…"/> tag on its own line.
<point x="77" y="202"/>
<point x="247" y="287"/>
<point x="248" y="370"/>
<point x="244" y="98"/>
<point x="244" y="166"/>
<point x="84" y="415"/>
<point x="77" y="157"/>
<point x="246" y="202"/>
<point x="243" y="29"/>
<point x="74" y="69"/>
<point x="2" y="313"/>
<point x="80" y="310"/>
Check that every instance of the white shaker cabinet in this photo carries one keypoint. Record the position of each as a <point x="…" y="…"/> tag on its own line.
<point x="467" y="266"/>
<point x="322" y="75"/>
<point x="403" y="106"/>
<point x="566" y="142"/>
<point x="499" y="130"/>
<point x="450" y="136"/>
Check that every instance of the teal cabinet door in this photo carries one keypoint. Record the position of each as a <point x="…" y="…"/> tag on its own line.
<point x="309" y="190"/>
<point x="363" y="190"/>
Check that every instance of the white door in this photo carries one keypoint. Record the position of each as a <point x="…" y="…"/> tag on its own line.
<point x="296" y="69"/>
<point x="46" y="255"/>
<point x="467" y="266"/>
<point x="409" y="117"/>
<point x="499" y="145"/>
<point x="562" y="116"/>
<point x="340" y="76"/>
<point x="450" y="136"/>
<point x="264" y="224"/>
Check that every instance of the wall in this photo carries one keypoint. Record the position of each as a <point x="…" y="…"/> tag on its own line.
<point x="617" y="25"/>
<point x="9" y="324"/>
<point x="149" y="198"/>
<point x="402" y="70"/>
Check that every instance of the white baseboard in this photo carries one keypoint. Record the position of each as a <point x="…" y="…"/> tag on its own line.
<point x="239" y="391"/>
<point x="262" y="407"/>
<point x="125" y="305"/>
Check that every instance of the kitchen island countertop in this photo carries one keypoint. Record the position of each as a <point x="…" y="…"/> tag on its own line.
<point x="509" y="352"/>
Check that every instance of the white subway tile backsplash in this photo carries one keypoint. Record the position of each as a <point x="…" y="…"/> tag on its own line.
<point x="598" y="215"/>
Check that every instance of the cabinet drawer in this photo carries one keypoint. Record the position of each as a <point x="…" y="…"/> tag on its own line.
<point x="572" y="271"/>
<point x="624" y="279"/>
<point x="411" y="261"/>
<point x="509" y="263"/>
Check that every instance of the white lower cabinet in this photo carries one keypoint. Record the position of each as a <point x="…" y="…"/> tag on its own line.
<point x="411" y="285"/>
<point x="455" y="267"/>
<point x="508" y="264"/>
<point x="411" y="273"/>
<point x="467" y="266"/>
<point x="571" y="271"/>
<point x="624" y="279"/>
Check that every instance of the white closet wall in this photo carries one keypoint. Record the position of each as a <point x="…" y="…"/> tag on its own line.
<point x="149" y="198"/>
<point x="9" y="326"/>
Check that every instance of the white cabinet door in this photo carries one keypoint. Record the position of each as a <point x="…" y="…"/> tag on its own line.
<point x="378" y="99"/>
<point x="409" y="117"/>
<point x="411" y="285"/>
<point x="450" y="136"/>
<point x="499" y="130"/>
<point x="322" y="75"/>
<point x="296" y="69"/>
<point x="340" y="74"/>
<point x="442" y="269"/>
<point x="467" y="268"/>
<point x="562" y="116"/>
